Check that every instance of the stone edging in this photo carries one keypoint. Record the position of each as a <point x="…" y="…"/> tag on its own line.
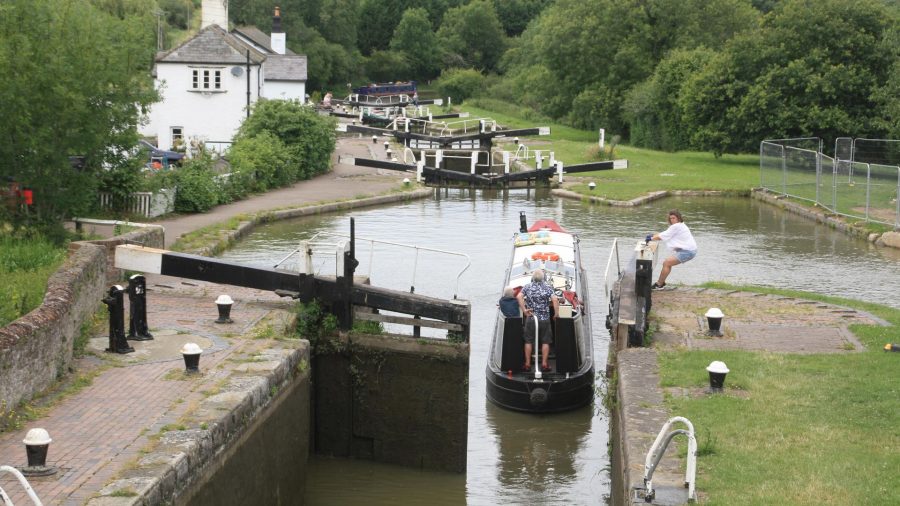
<point x="267" y="216"/>
<point x="638" y="201"/>
<point x="638" y="420"/>
<point x="889" y="239"/>
<point x="181" y="457"/>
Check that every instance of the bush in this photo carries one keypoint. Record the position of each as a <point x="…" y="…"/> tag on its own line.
<point x="258" y="164"/>
<point x="198" y="191"/>
<point x="460" y="84"/>
<point x="308" y="137"/>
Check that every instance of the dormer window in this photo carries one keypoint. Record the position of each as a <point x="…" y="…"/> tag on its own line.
<point x="206" y="79"/>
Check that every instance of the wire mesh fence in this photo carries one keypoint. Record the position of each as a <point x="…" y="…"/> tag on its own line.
<point x="862" y="181"/>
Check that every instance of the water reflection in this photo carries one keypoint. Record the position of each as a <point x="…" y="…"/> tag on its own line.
<point x="537" y="453"/>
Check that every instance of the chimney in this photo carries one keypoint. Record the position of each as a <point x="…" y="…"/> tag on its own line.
<point x="214" y="12"/>
<point x="278" y="38"/>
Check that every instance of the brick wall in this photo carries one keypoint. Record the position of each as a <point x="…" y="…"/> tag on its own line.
<point x="36" y="349"/>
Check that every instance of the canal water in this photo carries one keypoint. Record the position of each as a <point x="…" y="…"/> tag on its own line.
<point x="517" y="458"/>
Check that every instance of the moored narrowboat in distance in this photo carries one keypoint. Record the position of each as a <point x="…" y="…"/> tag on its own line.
<point x="383" y="89"/>
<point x="568" y="382"/>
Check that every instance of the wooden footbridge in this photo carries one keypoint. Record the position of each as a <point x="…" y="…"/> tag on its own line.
<point x="341" y="293"/>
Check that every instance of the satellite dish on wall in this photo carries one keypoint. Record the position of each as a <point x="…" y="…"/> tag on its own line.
<point x="237" y="71"/>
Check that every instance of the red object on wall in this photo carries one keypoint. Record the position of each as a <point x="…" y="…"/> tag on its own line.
<point x="29" y="196"/>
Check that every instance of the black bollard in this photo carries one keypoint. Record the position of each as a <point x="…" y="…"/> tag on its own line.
<point x="115" y="303"/>
<point x="137" y="309"/>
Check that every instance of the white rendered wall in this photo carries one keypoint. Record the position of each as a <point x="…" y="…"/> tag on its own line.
<point x="213" y="116"/>
<point x="285" y="90"/>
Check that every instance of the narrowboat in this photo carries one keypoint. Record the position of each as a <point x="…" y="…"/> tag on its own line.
<point x="568" y="383"/>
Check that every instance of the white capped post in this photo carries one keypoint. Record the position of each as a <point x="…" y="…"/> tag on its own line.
<point x="506" y="162"/>
<point x="474" y="160"/>
<point x="559" y="171"/>
<point x="602" y="136"/>
<point x="537" y="159"/>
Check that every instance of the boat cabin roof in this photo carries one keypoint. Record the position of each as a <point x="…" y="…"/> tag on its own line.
<point x="554" y="252"/>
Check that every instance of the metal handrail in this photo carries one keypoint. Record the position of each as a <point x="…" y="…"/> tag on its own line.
<point x="613" y="253"/>
<point x="312" y="242"/>
<point x="24" y="482"/>
<point x="659" y="448"/>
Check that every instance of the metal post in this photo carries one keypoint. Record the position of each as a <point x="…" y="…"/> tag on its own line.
<point x="868" y="188"/>
<point x="137" y="309"/>
<point x="115" y="304"/>
<point x="559" y="171"/>
<point x="474" y="161"/>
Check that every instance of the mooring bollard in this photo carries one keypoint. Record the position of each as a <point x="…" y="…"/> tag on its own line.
<point x="714" y="320"/>
<point x="717" y="371"/>
<point x="137" y="309"/>
<point x="223" y="303"/>
<point x="115" y="304"/>
<point x="191" y="353"/>
<point x="37" y="442"/>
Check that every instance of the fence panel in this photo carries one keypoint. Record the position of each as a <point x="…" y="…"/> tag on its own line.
<point x="801" y="174"/>
<point x="771" y="166"/>
<point x="862" y="181"/>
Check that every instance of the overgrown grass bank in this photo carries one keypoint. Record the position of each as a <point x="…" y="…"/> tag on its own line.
<point x="25" y="266"/>
<point x="805" y="429"/>
<point x="648" y="170"/>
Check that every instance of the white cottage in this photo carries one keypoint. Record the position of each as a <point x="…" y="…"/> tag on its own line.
<point x="208" y="82"/>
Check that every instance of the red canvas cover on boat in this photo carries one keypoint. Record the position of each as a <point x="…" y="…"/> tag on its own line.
<point x="548" y="224"/>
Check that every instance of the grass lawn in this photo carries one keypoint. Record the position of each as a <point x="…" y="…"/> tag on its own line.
<point x="25" y="267"/>
<point x="647" y="171"/>
<point x="807" y="429"/>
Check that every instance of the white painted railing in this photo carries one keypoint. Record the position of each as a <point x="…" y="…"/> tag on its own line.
<point x="659" y="448"/>
<point x="22" y="481"/>
<point x="145" y="204"/>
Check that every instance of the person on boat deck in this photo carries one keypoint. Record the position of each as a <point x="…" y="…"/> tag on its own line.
<point x="679" y="239"/>
<point x="535" y="298"/>
<point x="509" y="305"/>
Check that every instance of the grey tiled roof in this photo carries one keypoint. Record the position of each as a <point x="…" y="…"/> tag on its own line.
<point x="212" y="45"/>
<point x="257" y="36"/>
<point x="286" y="67"/>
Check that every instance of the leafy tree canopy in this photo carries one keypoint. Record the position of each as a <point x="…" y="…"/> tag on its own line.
<point x="73" y="81"/>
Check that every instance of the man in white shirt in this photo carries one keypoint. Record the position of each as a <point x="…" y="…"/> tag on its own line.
<point x="679" y="239"/>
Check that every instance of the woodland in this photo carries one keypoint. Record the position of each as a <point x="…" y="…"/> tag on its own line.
<point x="701" y="75"/>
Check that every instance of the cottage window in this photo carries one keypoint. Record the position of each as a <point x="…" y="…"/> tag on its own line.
<point x="206" y="79"/>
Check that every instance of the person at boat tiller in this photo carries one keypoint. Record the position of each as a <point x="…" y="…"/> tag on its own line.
<point x="536" y="298"/>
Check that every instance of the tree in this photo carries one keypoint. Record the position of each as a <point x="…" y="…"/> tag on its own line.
<point x="418" y="42"/>
<point x="73" y="81"/>
<point x="515" y="15"/>
<point x="652" y="108"/>
<point x="473" y="36"/>
<point x="794" y="77"/>
<point x="597" y="50"/>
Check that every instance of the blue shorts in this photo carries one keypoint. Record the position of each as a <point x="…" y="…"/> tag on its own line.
<point x="684" y="255"/>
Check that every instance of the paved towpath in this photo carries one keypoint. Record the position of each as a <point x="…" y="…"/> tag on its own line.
<point x="341" y="183"/>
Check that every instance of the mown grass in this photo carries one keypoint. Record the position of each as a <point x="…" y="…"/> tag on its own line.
<point x="807" y="429"/>
<point x="25" y="266"/>
<point x="648" y="170"/>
